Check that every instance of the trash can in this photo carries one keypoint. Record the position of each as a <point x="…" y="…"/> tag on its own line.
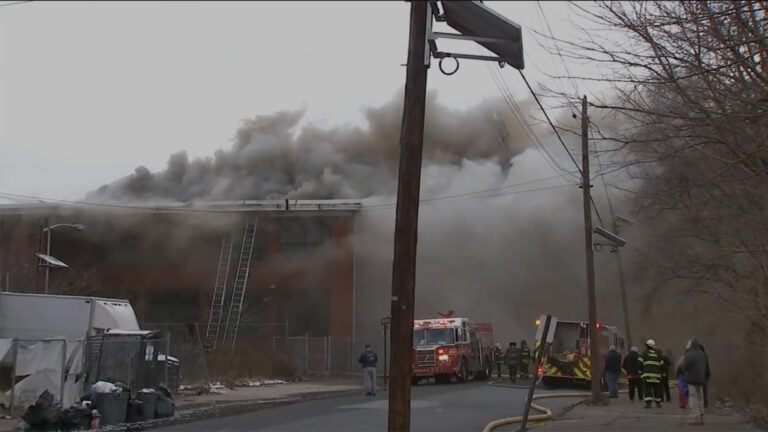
<point x="113" y="407"/>
<point x="165" y="406"/>
<point x="148" y="404"/>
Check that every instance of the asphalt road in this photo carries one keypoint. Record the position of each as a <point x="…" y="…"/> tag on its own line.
<point x="447" y="407"/>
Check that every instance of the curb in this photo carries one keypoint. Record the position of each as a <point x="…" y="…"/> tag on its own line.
<point x="217" y="410"/>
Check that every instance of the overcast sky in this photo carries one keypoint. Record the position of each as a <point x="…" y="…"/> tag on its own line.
<point x="91" y="90"/>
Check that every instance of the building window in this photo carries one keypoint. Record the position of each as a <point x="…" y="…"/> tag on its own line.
<point x="301" y="234"/>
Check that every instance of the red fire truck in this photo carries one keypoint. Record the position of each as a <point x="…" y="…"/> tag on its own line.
<point x="445" y="348"/>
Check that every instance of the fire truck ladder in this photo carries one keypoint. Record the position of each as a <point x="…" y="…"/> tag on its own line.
<point x="219" y="294"/>
<point x="241" y="279"/>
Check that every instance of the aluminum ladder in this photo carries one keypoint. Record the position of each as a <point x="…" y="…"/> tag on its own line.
<point x="219" y="294"/>
<point x="241" y="281"/>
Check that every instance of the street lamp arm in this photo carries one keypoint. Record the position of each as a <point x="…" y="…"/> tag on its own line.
<point x="76" y="226"/>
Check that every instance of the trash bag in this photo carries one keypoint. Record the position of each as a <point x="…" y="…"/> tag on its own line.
<point x="45" y="413"/>
<point x="75" y="418"/>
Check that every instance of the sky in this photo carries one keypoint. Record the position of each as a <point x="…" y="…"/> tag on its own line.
<point x="91" y="90"/>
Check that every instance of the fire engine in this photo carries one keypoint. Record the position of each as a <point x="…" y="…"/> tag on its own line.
<point x="445" y="348"/>
<point x="566" y="361"/>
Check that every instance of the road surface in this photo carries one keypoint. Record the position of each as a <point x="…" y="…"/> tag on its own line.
<point x="447" y="407"/>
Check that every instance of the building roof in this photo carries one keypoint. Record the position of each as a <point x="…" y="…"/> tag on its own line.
<point x="180" y="207"/>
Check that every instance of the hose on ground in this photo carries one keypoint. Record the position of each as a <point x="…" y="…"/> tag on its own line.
<point x="546" y="413"/>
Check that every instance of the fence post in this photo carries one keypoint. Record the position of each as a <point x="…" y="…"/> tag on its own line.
<point x="328" y="353"/>
<point x="15" y="348"/>
<point x="306" y="353"/>
<point x="63" y="371"/>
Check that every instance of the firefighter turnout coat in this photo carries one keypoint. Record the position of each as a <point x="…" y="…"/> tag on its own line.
<point x="651" y="365"/>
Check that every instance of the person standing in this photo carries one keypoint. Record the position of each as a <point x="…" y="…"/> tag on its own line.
<point x="612" y="371"/>
<point x="512" y="358"/>
<point x="651" y="374"/>
<point x="695" y="373"/>
<point x="666" y="364"/>
<point x="368" y="360"/>
<point x="632" y="367"/>
<point x="706" y="383"/>
<point x="498" y="358"/>
<point x="525" y="360"/>
<point x="682" y="387"/>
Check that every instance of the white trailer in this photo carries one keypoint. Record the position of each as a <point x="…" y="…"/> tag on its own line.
<point x="42" y="316"/>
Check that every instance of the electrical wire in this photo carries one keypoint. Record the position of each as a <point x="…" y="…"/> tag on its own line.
<point x="549" y="120"/>
<point x="15" y="3"/>
<point x="487" y="193"/>
<point x="519" y="115"/>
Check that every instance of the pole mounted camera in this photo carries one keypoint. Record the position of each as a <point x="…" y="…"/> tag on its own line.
<point x="614" y="239"/>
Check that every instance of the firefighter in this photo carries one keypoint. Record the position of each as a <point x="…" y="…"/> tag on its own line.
<point x="512" y="357"/>
<point x="525" y="359"/>
<point x="652" y="363"/>
<point x="498" y="357"/>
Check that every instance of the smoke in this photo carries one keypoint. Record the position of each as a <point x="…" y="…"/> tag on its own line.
<point x="274" y="157"/>
<point x="504" y="256"/>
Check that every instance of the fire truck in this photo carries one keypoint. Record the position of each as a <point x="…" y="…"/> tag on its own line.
<point x="566" y="361"/>
<point x="447" y="348"/>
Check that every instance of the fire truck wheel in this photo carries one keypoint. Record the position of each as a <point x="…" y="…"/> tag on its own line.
<point x="414" y="381"/>
<point x="461" y="375"/>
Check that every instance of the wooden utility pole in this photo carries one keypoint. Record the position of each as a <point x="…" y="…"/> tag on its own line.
<point x="406" y="222"/>
<point x="594" y="332"/>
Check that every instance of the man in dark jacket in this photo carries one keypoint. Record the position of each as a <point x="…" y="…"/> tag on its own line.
<point x="706" y="384"/>
<point x="368" y="360"/>
<point x="666" y="365"/>
<point x="695" y="374"/>
<point x="632" y="367"/>
<point x="612" y="371"/>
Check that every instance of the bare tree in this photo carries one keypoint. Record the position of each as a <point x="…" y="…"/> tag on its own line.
<point x="691" y="104"/>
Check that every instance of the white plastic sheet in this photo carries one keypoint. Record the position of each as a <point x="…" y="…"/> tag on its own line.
<point x="39" y="366"/>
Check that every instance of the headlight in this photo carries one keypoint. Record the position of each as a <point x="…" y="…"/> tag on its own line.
<point x="443" y="357"/>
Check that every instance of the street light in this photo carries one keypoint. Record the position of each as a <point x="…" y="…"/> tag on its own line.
<point x="48" y="230"/>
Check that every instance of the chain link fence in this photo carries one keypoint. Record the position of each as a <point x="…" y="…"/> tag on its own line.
<point x="186" y="346"/>
<point x="315" y="355"/>
<point x="31" y="366"/>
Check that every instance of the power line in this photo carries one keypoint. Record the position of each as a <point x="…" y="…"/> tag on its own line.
<point x="518" y="113"/>
<point x="443" y="199"/>
<point x="474" y="194"/>
<point x="549" y="120"/>
<point x="559" y="53"/>
<point x="15" y="3"/>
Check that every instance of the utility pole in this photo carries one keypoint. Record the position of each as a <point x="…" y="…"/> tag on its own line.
<point x="623" y="287"/>
<point x="594" y="332"/>
<point x="406" y="221"/>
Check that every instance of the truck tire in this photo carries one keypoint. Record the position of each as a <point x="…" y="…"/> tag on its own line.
<point x="415" y="381"/>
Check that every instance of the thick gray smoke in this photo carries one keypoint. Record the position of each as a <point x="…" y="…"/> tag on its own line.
<point x="504" y="256"/>
<point x="273" y="157"/>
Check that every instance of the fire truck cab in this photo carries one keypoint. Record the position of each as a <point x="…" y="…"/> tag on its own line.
<point x="445" y="348"/>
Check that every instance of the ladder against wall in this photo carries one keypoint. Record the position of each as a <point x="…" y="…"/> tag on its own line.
<point x="239" y="289"/>
<point x="216" y="315"/>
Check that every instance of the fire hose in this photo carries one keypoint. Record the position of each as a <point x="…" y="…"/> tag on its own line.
<point x="546" y="413"/>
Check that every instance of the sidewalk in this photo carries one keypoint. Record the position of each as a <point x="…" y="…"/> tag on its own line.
<point x="624" y="415"/>
<point x="239" y="400"/>
<point x="270" y="393"/>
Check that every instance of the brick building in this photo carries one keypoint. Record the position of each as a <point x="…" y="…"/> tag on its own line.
<point x="164" y="259"/>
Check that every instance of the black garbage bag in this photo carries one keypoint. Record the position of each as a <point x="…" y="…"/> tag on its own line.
<point x="135" y="411"/>
<point x="75" y="417"/>
<point x="44" y="414"/>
